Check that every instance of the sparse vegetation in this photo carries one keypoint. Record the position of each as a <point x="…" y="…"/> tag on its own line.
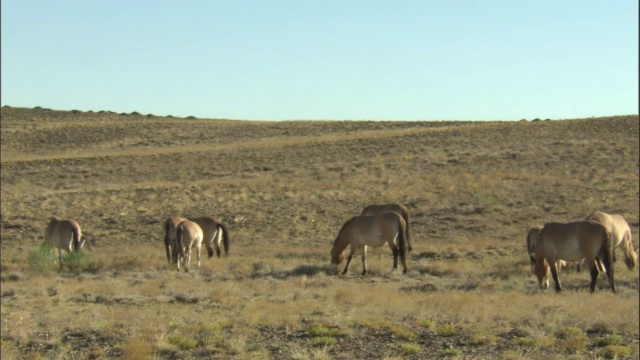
<point x="283" y="189"/>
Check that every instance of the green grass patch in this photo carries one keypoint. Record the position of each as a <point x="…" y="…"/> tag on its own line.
<point x="77" y="261"/>
<point x="181" y="342"/>
<point x="451" y="352"/>
<point x="319" y="330"/>
<point x="41" y="260"/>
<point x="615" y="352"/>
<point x="446" y="330"/>
<point x="322" y="341"/>
<point x="602" y="341"/>
<point x="409" y="348"/>
<point x="570" y="339"/>
<point x="402" y="333"/>
<point x="526" y="342"/>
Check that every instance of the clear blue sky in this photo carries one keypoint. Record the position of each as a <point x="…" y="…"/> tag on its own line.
<point x="324" y="59"/>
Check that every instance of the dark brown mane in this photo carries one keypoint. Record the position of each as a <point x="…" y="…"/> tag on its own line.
<point x="344" y="226"/>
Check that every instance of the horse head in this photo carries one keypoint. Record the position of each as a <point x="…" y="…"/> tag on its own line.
<point x="542" y="271"/>
<point x="337" y="257"/>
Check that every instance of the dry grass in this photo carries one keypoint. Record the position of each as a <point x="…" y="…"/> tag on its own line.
<point x="284" y="189"/>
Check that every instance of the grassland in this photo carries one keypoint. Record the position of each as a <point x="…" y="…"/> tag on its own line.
<point x="284" y="189"/>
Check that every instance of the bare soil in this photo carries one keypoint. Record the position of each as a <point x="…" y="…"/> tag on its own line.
<point x="284" y="189"/>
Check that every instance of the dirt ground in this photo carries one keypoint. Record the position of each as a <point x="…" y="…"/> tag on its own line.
<point x="284" y="189"/>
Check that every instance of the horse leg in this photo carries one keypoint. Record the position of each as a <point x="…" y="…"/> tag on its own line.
<point x="556" y="279"/>
<point x="207" y="244"/>
<point x="594" y="277"/>
<point x="198" y="250"/>
<point x="346" y="267"/>
<point x="395" y="257"/>
<point x="167" y="247"/>
<point x="216" y="243"/>
<point x="364" y="263"/>
<point x="59" y="251"/>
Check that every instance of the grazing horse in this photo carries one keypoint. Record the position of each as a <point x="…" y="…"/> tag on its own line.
<point x="188" y="236"/>
<point x="571" y="242"/>
<point x="374" y="230"/>
<point x="621" y="235"/>
<point x="170" y="242"/>
<point x="398" y="208"/>
<point x="213" y="231"/>
<point x="63" y="235"/>
<point x="532" y="238"/>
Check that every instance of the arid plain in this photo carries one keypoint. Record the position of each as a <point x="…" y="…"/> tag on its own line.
<point x="284" y="189"/>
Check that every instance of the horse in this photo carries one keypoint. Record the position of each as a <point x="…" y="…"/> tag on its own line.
<point x="398" y="208"/>
<point x="188" y="236"/>
<point x="170" y="243"/>
<point x="63" y="235"/>
<point x="213" y="231"/>
<point x="532" y="237"/>
<point x="571" y="242"/>
<point x="374" y="231"/>
<point x="621" y="235"/>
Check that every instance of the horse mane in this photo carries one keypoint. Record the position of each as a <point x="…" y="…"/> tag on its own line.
<point x="344" y="226"/>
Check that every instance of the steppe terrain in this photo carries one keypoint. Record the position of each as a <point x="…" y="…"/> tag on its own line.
<point x="284" y="189"/>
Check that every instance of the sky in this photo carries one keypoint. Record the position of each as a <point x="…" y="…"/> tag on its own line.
<point x="324" y="59"/>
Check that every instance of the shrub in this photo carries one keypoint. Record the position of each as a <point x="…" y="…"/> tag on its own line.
<point x="615" y="351"/>
<point x="322" y="341"/>
<point x="181" y="342"/>
<point x="607" y="340"/>
<point x="446" y="330"/>
<point x="409" y="348"/>
<point x="319" y="330"/>
<point x="77" y="261"/>
<point x="402" y="333"/>
<point x="41" y="260"/>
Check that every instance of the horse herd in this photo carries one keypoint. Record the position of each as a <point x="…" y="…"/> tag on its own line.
<point x="549" y="247"/>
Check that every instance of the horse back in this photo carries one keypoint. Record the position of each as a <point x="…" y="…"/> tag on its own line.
<point x="189" y="233"/>
<point x="616" y="224"/>
<point x="209" y="226"/>
<point x="63" y="234"/>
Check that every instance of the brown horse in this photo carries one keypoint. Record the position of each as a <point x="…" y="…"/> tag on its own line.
<point x="532" y="238"/>
<point x="398" y="208"/>
<point x="621" y="235"/>
<point x="188" y="236"/>
<point x="213" y="232"/>
<point x="63" y="235"/>
<point x="170" y="242"/>
<point x="375" y="230"/>
<point x="571" y="242"/>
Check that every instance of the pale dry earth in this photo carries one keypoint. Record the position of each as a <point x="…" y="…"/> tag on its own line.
<point x="284" y="189"/>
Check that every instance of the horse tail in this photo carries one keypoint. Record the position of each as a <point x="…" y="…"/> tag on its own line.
<point x="405" y="215"/>
<point x="225" y="238"/>
<point x="630" y="256"/>
<point x="606" y="251"/>
<point x="402" y="241"/>
<point x="75" y="245"/>
<point x="180" y="243"/>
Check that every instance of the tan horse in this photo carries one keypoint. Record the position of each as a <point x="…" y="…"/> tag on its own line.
<point x="213" y="232"/>
<point x="398" y="208"/>
<point x="621" y="235"/>
<point x="170" y="242"/>
<point x="188" y="236"/>
<point x="63" y="235"/>
<point x="532" y="238"/>
<point x="571" y="242"/>
<point x="375" y="230"/>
